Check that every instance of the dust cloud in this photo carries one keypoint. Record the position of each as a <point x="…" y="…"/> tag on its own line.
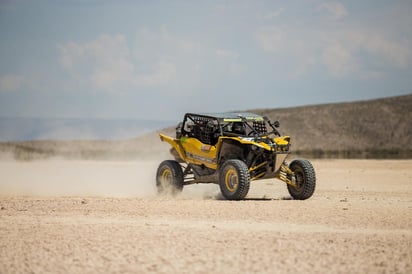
<point x="81" y="168"/>
<point x="78" y="178"/>
<point x="59" y="177"/>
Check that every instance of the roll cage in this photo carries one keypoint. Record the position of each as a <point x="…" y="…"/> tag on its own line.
<point x="208" y="127"/>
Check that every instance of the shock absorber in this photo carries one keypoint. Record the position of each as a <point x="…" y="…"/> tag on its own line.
<point x="287" y="175"/>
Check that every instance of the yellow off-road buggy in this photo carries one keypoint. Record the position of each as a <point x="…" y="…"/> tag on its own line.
<point x="232" y="149"/>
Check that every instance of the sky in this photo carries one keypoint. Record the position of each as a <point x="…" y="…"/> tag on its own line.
<point x="157" y="60"/>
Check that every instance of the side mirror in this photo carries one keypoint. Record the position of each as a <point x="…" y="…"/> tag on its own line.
<point x="276" y="124"/>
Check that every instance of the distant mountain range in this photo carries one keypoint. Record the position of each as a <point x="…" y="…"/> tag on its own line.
<point x="24" y="129"/>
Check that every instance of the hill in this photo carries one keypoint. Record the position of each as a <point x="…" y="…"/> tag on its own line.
<point x="364" y="129"/>
<point x="380" y="128"/>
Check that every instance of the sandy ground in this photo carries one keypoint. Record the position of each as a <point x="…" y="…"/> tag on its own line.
<point x="103" y="217"/>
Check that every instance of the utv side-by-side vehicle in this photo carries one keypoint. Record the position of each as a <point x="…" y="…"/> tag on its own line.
<point x="232" y="149"/>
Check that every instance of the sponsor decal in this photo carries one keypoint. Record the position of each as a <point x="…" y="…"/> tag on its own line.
<point x="205" y="148"/>
<point x="201" y="158"/>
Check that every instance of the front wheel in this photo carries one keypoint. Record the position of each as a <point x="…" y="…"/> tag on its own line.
<point x="234" y="180"/>
<point x="169" y="178"/>
<point x="305" y="180"/>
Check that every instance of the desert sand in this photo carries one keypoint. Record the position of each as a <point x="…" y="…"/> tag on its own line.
<point x="64" y="216"/>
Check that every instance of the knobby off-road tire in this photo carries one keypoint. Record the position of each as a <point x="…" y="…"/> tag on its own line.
<point x="234" y="180"/>
<point x="305" y="179"/>
<point x="169" y="178"/>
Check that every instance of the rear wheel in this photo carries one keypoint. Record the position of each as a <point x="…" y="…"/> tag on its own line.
<point x="234" y="180"/>
<point x="305" y="180"/>
<point x="169" y="178"/>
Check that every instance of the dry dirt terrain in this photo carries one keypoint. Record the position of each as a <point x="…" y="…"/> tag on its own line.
<point x="104" y="217"/>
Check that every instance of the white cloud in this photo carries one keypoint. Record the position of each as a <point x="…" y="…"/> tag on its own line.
<point x="164" y="73"/>
<point x="343" y="53"/>
<point x="338" y="60"/>
<point x="396" y="53"/>
<point x="335" y="10"/>
<point x="68" y="54"/>
<point x="272" y="38"/>
<point x="227" y="54"/>
<point x="104" y="63"/>
<point x="272" y="14"/>
<point x="365" y="52"/>
<point x="156" y="58"/>
<point x="107" y="64"/>
<point x="296" y="49"/>
<point x="11" y="82"/>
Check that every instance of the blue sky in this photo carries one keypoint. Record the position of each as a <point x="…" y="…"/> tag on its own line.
<point x="159" y="59"/>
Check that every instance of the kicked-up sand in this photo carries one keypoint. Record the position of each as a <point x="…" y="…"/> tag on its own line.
<point x="104" y="217"/>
